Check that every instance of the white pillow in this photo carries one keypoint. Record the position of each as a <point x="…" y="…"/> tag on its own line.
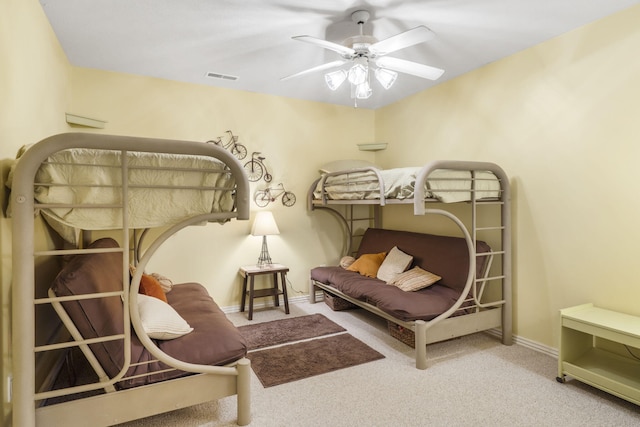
<point x="340" y="165"/>
<point x="415" y="279"/>
<point x="159" y="320"/>
<point x="395" y="263"/>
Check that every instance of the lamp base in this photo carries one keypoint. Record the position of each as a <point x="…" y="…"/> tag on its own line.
<point x="264" y="260"/>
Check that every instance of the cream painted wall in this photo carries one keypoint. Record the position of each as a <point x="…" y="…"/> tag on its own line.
<point x="562" y="119"/>
<point x="34" y="88"/>
<point x="295" y="136"/>
<point x="34" y="81"/>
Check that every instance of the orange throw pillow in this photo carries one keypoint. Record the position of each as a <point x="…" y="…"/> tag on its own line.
<point x="368" y="264"/>
<point x="151" y="287"/>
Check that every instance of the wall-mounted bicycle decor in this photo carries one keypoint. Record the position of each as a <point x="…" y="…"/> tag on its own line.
<point x="238" y="150"/>
<point x="270" y="194"/>
<point x="256" y="168"/>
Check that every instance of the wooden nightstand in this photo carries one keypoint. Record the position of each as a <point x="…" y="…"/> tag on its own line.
<point x="249" y="273"/>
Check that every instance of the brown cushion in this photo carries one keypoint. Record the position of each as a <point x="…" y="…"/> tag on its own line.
<point x="214" y="340"/>
<point x="424" y="304"/>
<point x="96" y="317"/>
<point x="445" y="256"/>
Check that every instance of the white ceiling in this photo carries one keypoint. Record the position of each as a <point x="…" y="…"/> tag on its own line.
<point x="184" y="39"/>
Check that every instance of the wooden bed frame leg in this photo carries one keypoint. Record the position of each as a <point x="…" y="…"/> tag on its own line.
<point x="244" y="391"/>
<point x="421" y="344"/>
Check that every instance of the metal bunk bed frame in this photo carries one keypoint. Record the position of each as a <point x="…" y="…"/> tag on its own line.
<point x="208" y="383"/>
<point x="486" y="315"/>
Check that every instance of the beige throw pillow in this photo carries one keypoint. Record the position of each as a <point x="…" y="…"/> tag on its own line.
<point x="395" y="263"/>
<point x="346" y="261"/>
<point x="415" y="279"/>
<point x="159" y="320"/>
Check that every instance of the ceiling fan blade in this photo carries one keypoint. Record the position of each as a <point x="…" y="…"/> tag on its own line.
<point x="409" y="67"/>
<point x="342" y="50"/>
<point x="410" y="37"/>
<point x="326" y="66"/>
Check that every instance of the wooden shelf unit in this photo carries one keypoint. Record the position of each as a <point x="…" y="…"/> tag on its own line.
<point x="601" y="348"/>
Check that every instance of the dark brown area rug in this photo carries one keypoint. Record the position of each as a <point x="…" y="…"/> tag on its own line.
<point x="292" y="329"/>
<point x="287" y="363"/>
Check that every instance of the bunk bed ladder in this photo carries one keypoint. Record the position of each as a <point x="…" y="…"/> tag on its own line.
<point x="491" y="229"/>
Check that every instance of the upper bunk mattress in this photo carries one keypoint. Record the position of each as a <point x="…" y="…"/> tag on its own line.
<point x="82" y="189"/>
<point x="448" y="186"/>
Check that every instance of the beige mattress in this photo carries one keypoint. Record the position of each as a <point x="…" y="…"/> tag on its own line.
<point x="166" y="188"/>
<point x="447" y="186"/>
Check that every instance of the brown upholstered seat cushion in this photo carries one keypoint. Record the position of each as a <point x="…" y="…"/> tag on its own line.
<point x="443" y="255"/>
<point x="424" y="304"/>
<point x="214" y="341"/>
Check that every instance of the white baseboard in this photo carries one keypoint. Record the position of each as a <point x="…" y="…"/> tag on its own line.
<point x="525" y="342"/>
<point x="292" y="300"/>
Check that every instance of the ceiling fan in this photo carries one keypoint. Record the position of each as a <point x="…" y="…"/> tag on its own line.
<point x="366" y="51"/>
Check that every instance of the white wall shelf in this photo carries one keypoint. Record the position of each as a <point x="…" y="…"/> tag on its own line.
<point x="74" y="119"/>
<point x="372" y="147"/>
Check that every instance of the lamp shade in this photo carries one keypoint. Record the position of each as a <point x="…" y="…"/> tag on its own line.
<point x="264" y="224"/>
<point x="357" y="74"/>
<point x="386" y="77"/>
<point x="363" y="90"/>
<point x="335" y="78"/>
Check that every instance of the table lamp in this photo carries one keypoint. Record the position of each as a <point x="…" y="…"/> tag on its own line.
<point x="264" y="225"/>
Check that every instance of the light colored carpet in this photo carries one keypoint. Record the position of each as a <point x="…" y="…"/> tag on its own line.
<point x="470" y="380"/>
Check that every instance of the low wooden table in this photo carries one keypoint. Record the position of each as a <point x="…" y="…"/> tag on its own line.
<point x="249" y="273"/>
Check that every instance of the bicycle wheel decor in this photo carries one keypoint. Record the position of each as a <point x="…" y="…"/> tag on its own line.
<point x="262" y="198"/>
<point x="288" y="199"/>
<point x="238" y="150"/>
<point x="254" y="170"/>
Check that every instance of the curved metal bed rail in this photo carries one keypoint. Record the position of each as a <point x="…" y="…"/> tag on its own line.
<point x="505" y="198"/>
<point x="24" y="256"/>
<point x="458" y="165"/>
<point x="421" y="325"/>
<point x="469" y="231"/>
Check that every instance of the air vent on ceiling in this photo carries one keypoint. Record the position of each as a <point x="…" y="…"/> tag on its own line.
<point x="213" y="75"/>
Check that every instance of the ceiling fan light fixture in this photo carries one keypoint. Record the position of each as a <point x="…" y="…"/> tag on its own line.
<point x="366" y="51"/>
<point x="386" y="77"/>
<point x="359" y="72"/>
<point x="335" y="78"/>
<point x="363" y="90"/>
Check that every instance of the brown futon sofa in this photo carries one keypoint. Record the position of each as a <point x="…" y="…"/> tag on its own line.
<point x="444" y="256"/>
<point x="213" y="340"/>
